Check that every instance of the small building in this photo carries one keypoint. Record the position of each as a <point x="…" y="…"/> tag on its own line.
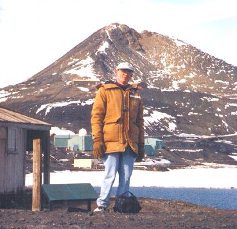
<point x="85" y="163"/>
<point x="81" y="143"/>
<point x="61" y="141"/>
<point x="84" y="82"/>
<point x="17" y="132"/>
<point x="152" y="144"/>
<point x="149" y="150"/>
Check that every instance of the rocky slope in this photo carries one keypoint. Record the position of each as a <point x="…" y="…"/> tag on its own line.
<point x="190" y="94"/>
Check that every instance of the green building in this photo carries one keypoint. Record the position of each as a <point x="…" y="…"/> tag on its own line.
<point x="152" y="144"/>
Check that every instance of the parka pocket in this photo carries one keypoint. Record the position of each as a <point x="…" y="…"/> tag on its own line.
<point x="112" y="132"/>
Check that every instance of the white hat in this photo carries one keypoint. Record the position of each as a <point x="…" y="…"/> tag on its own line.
<point x="125" y="65"/>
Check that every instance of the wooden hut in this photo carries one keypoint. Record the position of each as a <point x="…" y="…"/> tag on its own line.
<point x="17" y="132"/>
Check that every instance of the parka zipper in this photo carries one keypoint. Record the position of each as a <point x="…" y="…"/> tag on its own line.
<point x="126" y="115"/>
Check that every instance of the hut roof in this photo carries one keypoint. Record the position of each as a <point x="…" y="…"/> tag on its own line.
<point x="7" y="115"/>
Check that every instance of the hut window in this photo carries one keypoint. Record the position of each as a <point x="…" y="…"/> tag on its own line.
<point x="3" y="133"/>
<point x="12" y="135"/>
<point x="3" y="139"/>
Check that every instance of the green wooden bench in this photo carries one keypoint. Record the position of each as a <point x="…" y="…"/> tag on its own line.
<point x="61" y="192"/>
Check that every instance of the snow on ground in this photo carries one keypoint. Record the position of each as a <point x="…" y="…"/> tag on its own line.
<point x="192" y="177"/>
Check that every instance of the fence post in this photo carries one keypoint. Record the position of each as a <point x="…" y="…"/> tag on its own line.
<point x="36" y="189"/>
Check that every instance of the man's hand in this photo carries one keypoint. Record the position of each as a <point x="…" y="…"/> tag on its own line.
<point x="98" y="149"/>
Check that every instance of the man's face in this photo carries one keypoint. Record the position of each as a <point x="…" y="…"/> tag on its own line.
<point x="123" y="76"/>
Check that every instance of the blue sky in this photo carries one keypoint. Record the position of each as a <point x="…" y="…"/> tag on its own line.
<point x="34" y="33"/>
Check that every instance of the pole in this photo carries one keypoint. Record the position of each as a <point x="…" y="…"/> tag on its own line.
<point x="36" y="190"/>
<point x="47" y="158"/>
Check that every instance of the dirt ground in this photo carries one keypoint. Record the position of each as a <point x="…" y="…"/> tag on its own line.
<point x="154" y="214"/>
<point x="15" y="213"/>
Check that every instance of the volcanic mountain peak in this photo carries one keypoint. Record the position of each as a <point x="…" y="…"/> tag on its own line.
<point x="189" y="91"/>
<point x="190" y="101"/>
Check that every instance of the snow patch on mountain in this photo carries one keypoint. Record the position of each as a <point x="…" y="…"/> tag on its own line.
<point x="157" y="116"/>
<point x="83" y="68"/>
<point x="49" y="106"/>
<point x="178" y="42"/>
<point x="103" y="47"/>
<point x="4" y="95"/>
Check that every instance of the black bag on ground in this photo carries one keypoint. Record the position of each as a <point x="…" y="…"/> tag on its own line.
<point x="127" y="203"/>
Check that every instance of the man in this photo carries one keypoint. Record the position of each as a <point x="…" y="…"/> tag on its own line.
<point x="117" y="131"/>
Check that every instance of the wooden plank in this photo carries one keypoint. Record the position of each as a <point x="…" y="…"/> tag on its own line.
<point x="36" y="191"/>
<point x="2" y="164"/>
<point x="14" y="165"/>
<point x="46" y="147"/>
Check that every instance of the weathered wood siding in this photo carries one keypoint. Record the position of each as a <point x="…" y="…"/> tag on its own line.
<point x="3" y="140"/>
<point x="12" y="156"/>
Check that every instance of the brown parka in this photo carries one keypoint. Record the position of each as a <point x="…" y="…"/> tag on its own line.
<point x="117" y="118"/>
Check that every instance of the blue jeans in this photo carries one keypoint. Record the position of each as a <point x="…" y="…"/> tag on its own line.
<point x="121" y="162"/>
